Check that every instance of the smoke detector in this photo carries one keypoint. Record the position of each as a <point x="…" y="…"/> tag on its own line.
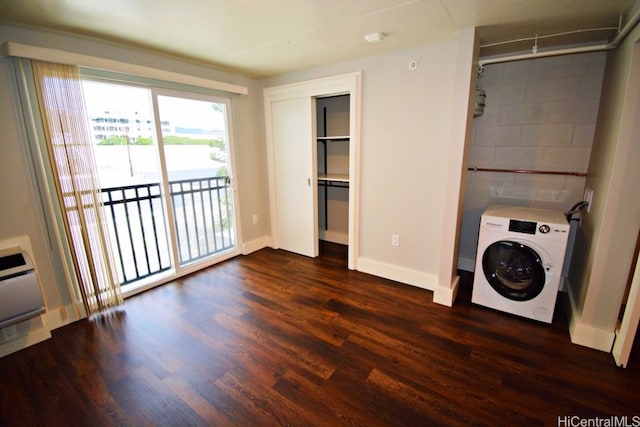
<point x="374" y="37"/>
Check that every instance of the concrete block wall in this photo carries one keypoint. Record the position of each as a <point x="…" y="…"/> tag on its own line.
<point x="540" y="114"/>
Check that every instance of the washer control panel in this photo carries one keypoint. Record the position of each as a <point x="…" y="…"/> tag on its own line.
<point x="527" y="227"/>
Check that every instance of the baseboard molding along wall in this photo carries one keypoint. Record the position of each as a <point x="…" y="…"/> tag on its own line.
<point x="584" y="334"/>
<point x="256" y="245"/>
<point x="60" y="317"/>
<point x="398" y="274"/>
<point x="22" y="335"/>
<point x="447" y="296"/>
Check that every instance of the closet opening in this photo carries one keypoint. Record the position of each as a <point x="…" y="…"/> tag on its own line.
<point x="313" y="139"/>
<point x="333" y="147"/>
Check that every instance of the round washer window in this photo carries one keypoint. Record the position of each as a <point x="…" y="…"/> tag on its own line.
<point x="514" y="270"/>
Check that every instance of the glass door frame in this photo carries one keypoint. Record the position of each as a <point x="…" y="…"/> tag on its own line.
<point x="178" y="269"/>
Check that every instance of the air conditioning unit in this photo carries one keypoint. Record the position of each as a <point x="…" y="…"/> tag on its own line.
<point x="20" y="294"/>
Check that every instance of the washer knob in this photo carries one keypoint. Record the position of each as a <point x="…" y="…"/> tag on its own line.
<point x="544" y="228"/>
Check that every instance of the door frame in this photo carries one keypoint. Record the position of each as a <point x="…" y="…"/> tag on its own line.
<point x="179" y="269"/>
<point x="336" y="85"/>
<point x="626" y="332"/>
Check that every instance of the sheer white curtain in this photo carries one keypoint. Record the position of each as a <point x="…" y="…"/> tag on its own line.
<point x="68" y="141"/>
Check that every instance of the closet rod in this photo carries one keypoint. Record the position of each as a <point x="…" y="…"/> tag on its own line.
<point x="527" y="171"/>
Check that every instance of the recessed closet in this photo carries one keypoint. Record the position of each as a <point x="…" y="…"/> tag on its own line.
<point x="312" y="133"/>
<point x="332" y="122"/>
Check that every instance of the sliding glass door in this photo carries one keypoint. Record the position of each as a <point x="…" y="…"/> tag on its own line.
<point x="165" y="167"/>
<point x="196" y="157"/>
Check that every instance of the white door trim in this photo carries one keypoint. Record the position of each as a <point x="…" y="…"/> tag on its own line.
<point x="627" y="331"/>
<point x="335" y="85"/>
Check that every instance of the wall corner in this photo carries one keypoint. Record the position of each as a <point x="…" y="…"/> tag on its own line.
<point x="461" y="119"/>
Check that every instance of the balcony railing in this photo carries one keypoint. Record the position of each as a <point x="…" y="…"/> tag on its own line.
<point x="203" y="219"/>
<point x="203" y="223"/>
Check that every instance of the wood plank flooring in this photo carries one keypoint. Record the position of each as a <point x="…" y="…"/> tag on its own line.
<point x="275" y="338"/>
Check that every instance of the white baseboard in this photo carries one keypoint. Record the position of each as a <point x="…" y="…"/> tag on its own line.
<point x="33" y="337"/>
<point x="26" y="333"/>
<point x="587" y="335"/>
<point x="399" y="274"/>
<point x="466" y="264"/>
<point x="60" y="317"/>
<point x="447" y="296"/>
<point x="38" y="329"/>
<point x="256" y="245"/>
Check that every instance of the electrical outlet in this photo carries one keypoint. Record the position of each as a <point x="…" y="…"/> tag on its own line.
<point x="588" y="197"/>
<point x="395" y="240"/>
<point x="255" y="218"/>
<point x="10" y="333"/>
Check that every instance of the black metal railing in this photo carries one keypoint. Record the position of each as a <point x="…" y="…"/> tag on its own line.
<point x="137" y="222"/>
<point x="202" y="216"/>
<point x="138" y="231"/>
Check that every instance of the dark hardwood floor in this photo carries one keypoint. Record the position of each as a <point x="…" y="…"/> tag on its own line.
<point x="275" y="338"/>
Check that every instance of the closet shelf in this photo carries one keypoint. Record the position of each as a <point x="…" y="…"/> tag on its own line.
<point x="332" y="138"/>
<point x="333" y="177"/>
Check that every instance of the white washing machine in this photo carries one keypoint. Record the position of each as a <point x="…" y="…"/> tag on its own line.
<point x="519" y="260"/>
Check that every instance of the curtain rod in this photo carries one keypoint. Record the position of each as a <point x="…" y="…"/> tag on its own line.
<point x="64" y="57"/>
<point x="527" y="171"/>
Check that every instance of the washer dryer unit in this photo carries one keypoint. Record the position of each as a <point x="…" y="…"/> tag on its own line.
<point x="519" y="260"/>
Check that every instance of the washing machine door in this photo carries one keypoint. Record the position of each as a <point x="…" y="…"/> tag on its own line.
<point x="514" y="270"/>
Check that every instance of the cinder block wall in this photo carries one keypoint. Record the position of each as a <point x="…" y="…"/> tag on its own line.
<point x="540" y="114"/>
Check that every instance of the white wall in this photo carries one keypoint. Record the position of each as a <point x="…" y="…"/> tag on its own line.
<point x="21" y="212"/>
<point x="540" y="114"/>
<point x="407" y="122"/>
<point x="610" y="231"/>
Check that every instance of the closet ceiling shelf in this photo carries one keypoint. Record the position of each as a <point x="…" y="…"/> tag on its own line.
<point x="527" y="171"/>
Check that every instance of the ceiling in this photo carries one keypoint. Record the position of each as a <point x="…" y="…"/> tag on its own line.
<point x="262" y="38"/>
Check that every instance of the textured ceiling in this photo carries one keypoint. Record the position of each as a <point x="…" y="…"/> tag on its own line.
<point x="262" y="38"/>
